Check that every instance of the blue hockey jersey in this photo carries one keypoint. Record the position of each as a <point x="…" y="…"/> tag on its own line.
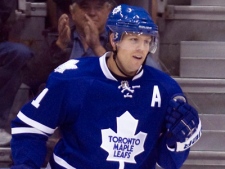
<point x="105" y="123"/>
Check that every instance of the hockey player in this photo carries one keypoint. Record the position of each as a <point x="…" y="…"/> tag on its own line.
<point x="114" y="112"/>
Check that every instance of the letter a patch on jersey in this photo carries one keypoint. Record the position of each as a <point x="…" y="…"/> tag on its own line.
<point x="156" y="97"/>
<point x="124" y="145"/>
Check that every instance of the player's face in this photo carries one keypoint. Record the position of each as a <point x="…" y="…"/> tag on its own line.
<point x="132" y="51"/>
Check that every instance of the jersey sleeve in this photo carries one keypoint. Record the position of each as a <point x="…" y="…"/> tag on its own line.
<point x="168" y="159"/>
<point x="36" y="121"/>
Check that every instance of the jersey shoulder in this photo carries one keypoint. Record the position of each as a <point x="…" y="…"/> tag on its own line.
<point x="157" y="74"/>
<point x="163" y="79"/>
<point x="75" y="68"/>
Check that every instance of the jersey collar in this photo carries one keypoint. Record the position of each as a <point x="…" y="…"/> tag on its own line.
<point x="107" y="72"/>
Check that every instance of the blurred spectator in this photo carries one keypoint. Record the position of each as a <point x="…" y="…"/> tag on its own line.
<point x="19" y="68"/>
<point x="13" y="57"/>
<point x="87" y="37"/>
<point x="63" y="5"/>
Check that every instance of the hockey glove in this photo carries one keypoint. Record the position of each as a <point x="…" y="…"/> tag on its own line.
<point x="182" y="122"/>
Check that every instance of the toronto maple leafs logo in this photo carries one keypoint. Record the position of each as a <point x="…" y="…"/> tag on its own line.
<point x="71" y="64"/>
<point x="124" y="145"/>
<point x="116" y="10"/>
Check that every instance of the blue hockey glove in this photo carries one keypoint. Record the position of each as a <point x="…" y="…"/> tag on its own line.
<point x="182" y="121"/>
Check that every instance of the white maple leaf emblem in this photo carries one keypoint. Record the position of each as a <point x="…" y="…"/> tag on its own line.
<point x="71" y="64"/>
<point x="116" y="10"/>
<point x="124" y="145"/>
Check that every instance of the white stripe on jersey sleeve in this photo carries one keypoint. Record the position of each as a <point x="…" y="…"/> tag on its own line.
<point x="22" y="130"/>
<point x="35" y="124"/>
<point x="62" y="162"/>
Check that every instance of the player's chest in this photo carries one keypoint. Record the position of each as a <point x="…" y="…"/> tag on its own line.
<point x="128" y="92"/>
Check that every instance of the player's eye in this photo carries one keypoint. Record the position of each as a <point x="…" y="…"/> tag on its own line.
<point x="147" y="41"/>
<point x="134" y="39"/>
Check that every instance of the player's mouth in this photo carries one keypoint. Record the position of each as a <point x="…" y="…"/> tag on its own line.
<point x="139" y="57"/>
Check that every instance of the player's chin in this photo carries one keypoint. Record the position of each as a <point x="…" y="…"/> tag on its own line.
<point x="138" y="64"/>
<point x="134" y="69"/>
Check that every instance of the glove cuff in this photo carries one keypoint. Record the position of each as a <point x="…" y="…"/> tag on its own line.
<point x="189" y="142"/>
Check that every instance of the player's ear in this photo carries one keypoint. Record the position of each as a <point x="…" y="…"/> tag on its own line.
<point x="112" y="42"/>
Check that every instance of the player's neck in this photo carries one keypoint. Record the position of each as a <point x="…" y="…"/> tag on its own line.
<point x="114" y="68"/>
